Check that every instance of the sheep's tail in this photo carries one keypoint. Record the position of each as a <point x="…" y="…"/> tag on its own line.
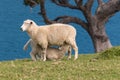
<point x="26" y="45"/>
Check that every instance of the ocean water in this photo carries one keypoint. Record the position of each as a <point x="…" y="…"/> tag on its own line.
<point x="13" y="13"/>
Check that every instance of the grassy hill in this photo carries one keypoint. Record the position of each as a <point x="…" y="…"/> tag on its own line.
<point x="102" y="66"/>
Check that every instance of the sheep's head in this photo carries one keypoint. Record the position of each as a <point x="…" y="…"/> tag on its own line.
<point x="26" y="25"/>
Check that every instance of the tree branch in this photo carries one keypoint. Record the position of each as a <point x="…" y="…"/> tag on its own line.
<point x="61" y="19"/>
<point x="43" y="13"/>
<point x="69" y="19"/>
<point x="79" y="2"/>
<point x="88" y="5"/>
<point x="100" y="2"/>
<point x="31" y="3"/>
<point x="104" y="12"/>
<point x="86" y="9"/>
<point x="64" y="3"/>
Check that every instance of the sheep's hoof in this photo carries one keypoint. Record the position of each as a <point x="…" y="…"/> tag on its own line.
<point x="68" y="58"/>
<point x="75" y="59"/>
<point x="44" y="59"/>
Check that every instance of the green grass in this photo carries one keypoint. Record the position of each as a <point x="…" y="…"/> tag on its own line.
<point x="85" y="68"/>
<point x="110" y="53"/>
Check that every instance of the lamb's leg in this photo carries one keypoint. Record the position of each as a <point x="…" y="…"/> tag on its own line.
<point x="33" y="56"/>
<point x="39" y="56"/>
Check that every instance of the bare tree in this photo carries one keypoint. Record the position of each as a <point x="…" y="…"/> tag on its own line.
<point x="94" y="24"/>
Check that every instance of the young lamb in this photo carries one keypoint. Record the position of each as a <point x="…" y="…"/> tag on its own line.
<point x="53" y="34"/>
<point x="51" y="53"/>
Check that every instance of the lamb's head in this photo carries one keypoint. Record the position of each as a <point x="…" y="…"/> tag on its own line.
<point x="26" y="25"/>
<point x="65" y="47"/>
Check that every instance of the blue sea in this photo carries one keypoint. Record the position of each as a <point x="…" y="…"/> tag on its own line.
<point x="13" y="13"/>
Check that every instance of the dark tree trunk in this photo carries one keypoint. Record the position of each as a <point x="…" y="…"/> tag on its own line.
<point x="100" y="40"/>
<point x="98" y="35"/>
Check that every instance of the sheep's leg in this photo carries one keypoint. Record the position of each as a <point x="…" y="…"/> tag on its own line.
<point x="44" y="54"/>
<point x="43" y="47"/>
<point x="74" y="46"/>
<point x="69" y="53"/>
<point x="33" y="56"/>
<point x="76" y="51"/>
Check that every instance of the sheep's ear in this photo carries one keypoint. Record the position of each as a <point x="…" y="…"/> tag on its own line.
<point x="31" y="22"/>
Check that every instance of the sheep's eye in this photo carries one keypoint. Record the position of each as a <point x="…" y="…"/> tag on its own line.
<point x="30" y="22"/>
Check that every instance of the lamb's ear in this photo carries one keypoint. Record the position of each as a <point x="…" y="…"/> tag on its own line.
<point x="31" y="22"/>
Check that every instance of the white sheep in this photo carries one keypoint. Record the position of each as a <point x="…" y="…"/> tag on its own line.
<point x="51" y="53"/>
<point x="53" y="34"/>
